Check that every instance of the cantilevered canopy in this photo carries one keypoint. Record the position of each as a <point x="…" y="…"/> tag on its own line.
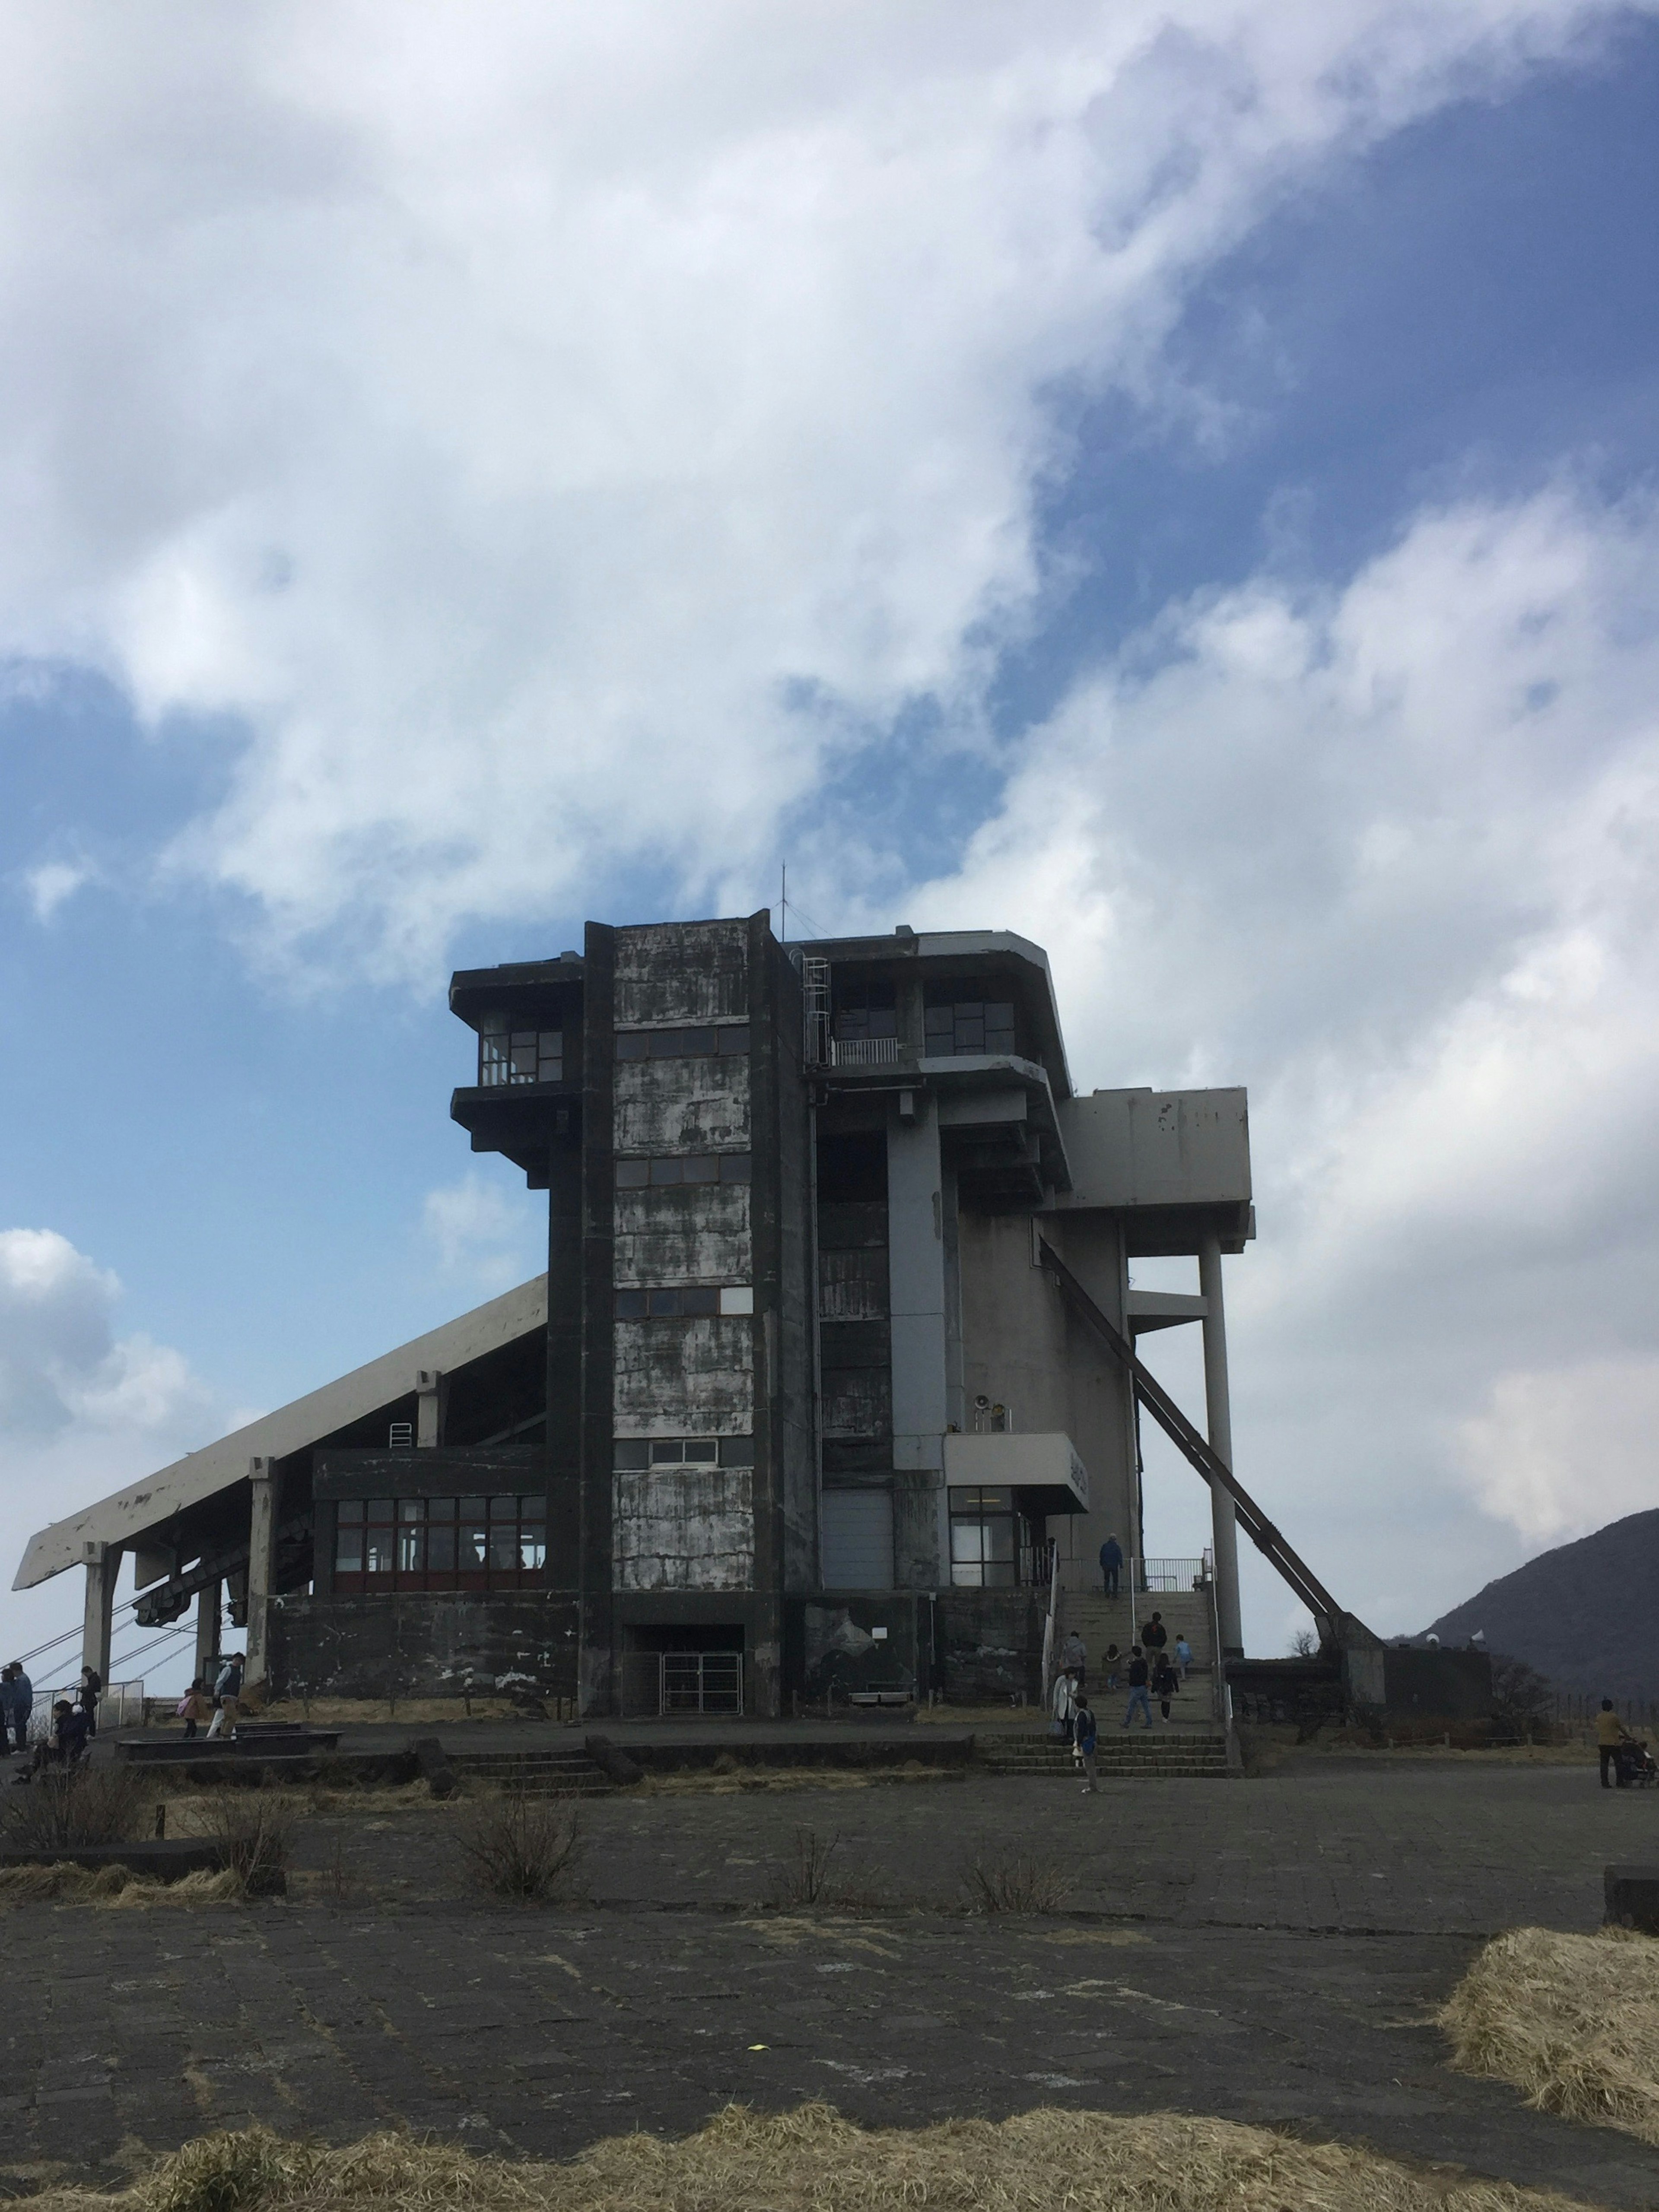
<point x="128" y="1517"/>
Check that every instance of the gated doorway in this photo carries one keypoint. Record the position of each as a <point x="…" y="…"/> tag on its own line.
<point x="686" y="1674"/>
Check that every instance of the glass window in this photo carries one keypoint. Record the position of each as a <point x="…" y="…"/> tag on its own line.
<point x="440" y="1547"/>
<point x="532" y="1509"/>
<point x="379" y="1508"/>
<point x="377" y="1551"/>
<point x="667" y="1451"/>
<point x="734" y="1038"/>
<point x="532" y="1547"/>
<point x="701" y="1451"/>
<point x="503" y="1544"/>
<point x="629" y="1453"/>
<point x="698" y="1299"/>
<point x="411" y="1508"/>
<point x="700" y="1041"/>
<point x="665" y="1044"/>
<point x="349" y="1508"/>
<point x="441" y="1509"/>
<point x="734" y="1166"/>
<point x="503" y="1509"/>
<point x="631" y="1045"/>
<point x="472" y="1508"/>
<point x="411" y="1548"/>
<point x="700" y="1167"/>
<point x="472" y="1546"/>
<point x="665" y="1171"/>
<point x="349" y="1551"/>
<point x="737" y="1298"/>
<point x="633" y="1174"/>
<point x="631" y="1305"/>
<point x="662" y="1305"/>
<point x="736" y="1451"/>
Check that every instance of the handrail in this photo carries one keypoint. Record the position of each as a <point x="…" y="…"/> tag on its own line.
<point x="1194" y="1448"/>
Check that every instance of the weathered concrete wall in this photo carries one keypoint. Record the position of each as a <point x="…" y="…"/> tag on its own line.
<point x="690" y="971"/>
<point x="699" y="1103"/>
<point x="697" y="1233"/>
<point x="685" y="1378"/>
<point x="428" y="1646"/>
<point x="841" y="1652"/>
<point x="684" y="1528"/>
<point x="795" y="1436"/>
<point x="989" y="1644"/>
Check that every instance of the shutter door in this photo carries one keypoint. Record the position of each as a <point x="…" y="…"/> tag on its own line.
<point x="858" y="1540"/>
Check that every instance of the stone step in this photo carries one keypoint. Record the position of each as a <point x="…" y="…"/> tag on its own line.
<point x="535" y="1773"/>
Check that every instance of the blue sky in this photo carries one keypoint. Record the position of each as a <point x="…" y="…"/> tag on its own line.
<point x="1178" y="482"/>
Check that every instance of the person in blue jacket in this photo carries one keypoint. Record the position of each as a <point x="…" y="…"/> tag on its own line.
<point x="1111" y="1565"/>
<point x="1084" y="1738"/>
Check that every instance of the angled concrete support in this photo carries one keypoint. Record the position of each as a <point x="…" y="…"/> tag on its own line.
<point x="261" y="1563"/>
<point x="429" y="1409"/>
<point x="208" y="1603"/>
<point x="103" y="1564"/>
<point x="1223" y="1519"/>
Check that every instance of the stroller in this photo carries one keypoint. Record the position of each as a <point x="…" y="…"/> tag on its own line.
<point x="1633" y="1765"/>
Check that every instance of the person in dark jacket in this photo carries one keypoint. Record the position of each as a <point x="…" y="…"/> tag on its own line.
<point x="90" y="1690"/>
<point x="1155" y="1636"/>
<point x="1111" y="1565"/>
<point x="1139" y="1673"/>
<point x="16" y="1704"/>
<point x="67" y="1744"/>
<point x="1084" y="1740"/>
<point x="1165" y="1683"/>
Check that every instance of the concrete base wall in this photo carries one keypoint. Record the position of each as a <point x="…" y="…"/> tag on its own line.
<point x="988" y="1646"/>
<point x="426" y="1646"/>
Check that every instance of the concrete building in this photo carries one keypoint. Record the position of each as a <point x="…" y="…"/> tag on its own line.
<point x="819" y="1386"/>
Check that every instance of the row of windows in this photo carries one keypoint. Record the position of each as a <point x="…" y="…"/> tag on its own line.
<point x="687" y="1302"/>
<point x="970" y="1025"/>
<point x="682" y="1044"/>
<point x="632" y="1454"/>
<point x="439" y="1543"/>
<point x="683" y="1167"/>
<point x="508" y="1055"/>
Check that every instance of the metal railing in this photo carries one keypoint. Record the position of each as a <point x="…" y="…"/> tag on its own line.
<point x="862" y="1052"/>
<point x="1162" y="1577"/>
<point x="664" y="1685"/>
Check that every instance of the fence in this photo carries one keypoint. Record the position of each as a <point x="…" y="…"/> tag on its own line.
<point x="1163" y="1577"/>
<point x="121" y="1706"/>
<point x="1573" y="1711"/>
<point x="662" y="1685"/>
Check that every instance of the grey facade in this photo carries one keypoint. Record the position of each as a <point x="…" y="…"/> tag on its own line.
<point x="798" y="1412"/>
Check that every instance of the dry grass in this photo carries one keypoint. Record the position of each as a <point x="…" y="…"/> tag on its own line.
<point x="520" y="1846"/>
<point x="1572" y="2021"/>
<point x="728" y="1778"/>
<point x="63" y="1807"/>
<point x="812" y="2160"/>
<point x="1017" y="1881"/>
<point x="255" y="1831"/>
<point x="111" y="1886"/>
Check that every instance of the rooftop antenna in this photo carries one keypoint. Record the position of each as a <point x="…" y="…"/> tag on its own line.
<point x="783" y="903"/>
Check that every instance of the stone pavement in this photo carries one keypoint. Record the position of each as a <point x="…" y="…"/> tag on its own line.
<point x="1268" y="1951"/>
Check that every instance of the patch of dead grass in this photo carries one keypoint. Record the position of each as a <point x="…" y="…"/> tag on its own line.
<point x="725" y="1779"/>
<point x="810" y="2159"/>
<point x="112" y="1885"/>
<point x="1572" y="2021"/>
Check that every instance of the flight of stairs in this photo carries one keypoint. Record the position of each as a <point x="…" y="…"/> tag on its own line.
<point x="1101" y="1621"/>
<point x="534" y="1773"/>
<point x="1163" y="1755"/>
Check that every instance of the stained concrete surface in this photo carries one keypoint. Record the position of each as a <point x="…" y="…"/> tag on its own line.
<point x="1269" y="1951"/>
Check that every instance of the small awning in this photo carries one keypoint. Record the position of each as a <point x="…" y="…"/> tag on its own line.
<point x="1043" y="1466"/>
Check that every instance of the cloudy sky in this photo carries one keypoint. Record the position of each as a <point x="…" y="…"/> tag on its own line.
<point x="1173" y="477"/>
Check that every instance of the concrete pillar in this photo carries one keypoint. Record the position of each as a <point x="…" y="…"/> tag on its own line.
<point x="207" y="1603"/>
<point x="915" y="1263"/>
<point x="1223" y="1519"/>
<point x="103" y="1564"/>
<point x="261" y="1563"/>
<point x="429" y="1409"/>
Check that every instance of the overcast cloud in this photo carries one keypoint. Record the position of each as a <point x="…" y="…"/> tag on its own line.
<point x="532" y="449"/>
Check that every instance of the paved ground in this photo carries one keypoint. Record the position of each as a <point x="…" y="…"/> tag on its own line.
<point x="1268" y="1950"/>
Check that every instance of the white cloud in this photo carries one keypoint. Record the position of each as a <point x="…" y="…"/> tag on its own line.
<point x="53" y="882"/>
<point x="1560" y="1452"/>
<point x="1389" y="855"/>
<point x="82" y="1411"/>
<point x="556" y="434"/>
<point x="492" y="1236"/>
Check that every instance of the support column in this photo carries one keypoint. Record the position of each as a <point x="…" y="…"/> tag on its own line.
<point x="429" y="1408"/>
<point x="261" y="1566"/>
<point x="1224" y="1521"/>
<point x="209" y="1602"/>
<point x="103" y="1564"/>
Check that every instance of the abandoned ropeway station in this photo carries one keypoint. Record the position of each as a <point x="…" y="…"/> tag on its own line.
<point x="830" y="1388"/>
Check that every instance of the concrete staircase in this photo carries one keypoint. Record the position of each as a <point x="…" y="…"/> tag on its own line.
<point x="1160" y="1755"/>
<point x="1102" y="1620"/>
<point x="534" y="1773"/>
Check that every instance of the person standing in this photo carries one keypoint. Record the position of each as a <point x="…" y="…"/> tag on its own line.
<point x="194" y="1707"/>
<point x="1084" y="1739"/>
<point x="1155" y="1636"/>
<point x="1065" y="1706"/>
<point x="1112" y="1663"/>
<point x="87" y="1693"/>
<point x="1074" y="1658"/>
<point x="1610" y="1733"/>
<point x="1164" y="1684"/>
<point x="14" y="1706"/>
<point x="226" y="1691"/>
<point x="1111" y="1565"/>
<point x="1183" y="1654"/>
<point x="1139" y="1673"/>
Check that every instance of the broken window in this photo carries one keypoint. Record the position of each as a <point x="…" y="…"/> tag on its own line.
<point x="724" y="1039"/>
<point x="508" y="1055"/>
<point x="439" y="1543"/>
<point x="685" y="1301"/>
<point x="634" y="1455"/>
<point x="668" y="1170"/>
<point x="965" y="1018"/>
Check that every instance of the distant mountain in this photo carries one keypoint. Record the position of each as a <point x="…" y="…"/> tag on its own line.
<point x="1585" y="1614"/>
